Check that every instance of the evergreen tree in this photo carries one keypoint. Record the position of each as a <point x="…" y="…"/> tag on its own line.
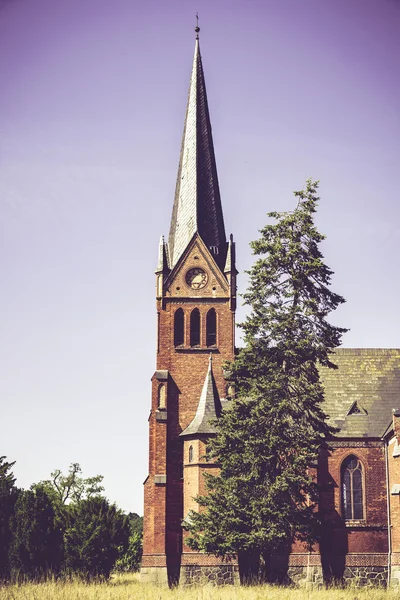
<point x="37" y="542"/>
<point x="97" y="534"/>
<point x="8" y="497"/>
<point x="269" y="436"/>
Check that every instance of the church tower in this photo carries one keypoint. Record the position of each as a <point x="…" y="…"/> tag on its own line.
<point x="196" y="301"/>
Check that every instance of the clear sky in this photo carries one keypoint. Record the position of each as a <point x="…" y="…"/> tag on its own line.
<point x="92" y="103"/>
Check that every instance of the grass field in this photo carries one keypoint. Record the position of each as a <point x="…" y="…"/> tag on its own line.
<point x="128" y="587"/>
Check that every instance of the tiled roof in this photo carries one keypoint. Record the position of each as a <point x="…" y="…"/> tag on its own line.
<point x="197" y="204"/>
<point x="369" y="377"/>
<point x="208" y="409"/>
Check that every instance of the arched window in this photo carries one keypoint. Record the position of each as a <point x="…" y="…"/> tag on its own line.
<point x="179" y="321"/>
<point x="352" y="488"/>
<point x="211" y="327"/>
<point x="161" y="397"/>
<point x="190" y="453"/>
<point x="195" y="327"/>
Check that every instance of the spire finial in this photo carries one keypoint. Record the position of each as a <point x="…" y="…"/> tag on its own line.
<point x="197" y="28"/>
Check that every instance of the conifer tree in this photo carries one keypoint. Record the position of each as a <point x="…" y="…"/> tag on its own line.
<point x="269" y="436"/>
<point x="37" y="542"/>
<point x="97" y="535"/>
<point x="8" y="497"/>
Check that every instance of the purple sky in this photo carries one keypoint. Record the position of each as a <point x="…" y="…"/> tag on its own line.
<point x="92" y="102"/>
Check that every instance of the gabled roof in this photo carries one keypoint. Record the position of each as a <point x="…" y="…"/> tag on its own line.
<point x="197" y="204"/>
<point x="369" y="378"/>
<point x="208" y="409"/>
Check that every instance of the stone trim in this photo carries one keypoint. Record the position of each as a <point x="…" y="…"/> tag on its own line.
<point x="355" y="444"/>
<point x="161" y="375"/>
<point x="161" y="416"/>
<point x="160" y="479"/>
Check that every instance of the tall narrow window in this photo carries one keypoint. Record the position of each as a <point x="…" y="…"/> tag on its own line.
<point x="195" y="327"/>
<point x="352" y="489"/>
<point x="179" y="322"/>
<point x="211" y="327"/>
<point x="161" y="397"/>
<point x="190" y="453"/>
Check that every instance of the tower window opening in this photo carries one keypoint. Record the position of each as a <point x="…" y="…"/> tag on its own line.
<point x="161" y="397"/>
<point x="179" y="322"/>
<point x="190" y="454"/>
<point x="195" y="327"/>
<point x="352" y="489"/>
<point x="211" y="327"/>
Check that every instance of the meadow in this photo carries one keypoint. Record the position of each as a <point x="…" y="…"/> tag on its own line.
<point x="128" y="587"/>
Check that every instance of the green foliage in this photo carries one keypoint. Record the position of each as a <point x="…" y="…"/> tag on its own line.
<point x="135" y="523"/>
<point x="130" y="560"/>
<point x="8" y="497"/>
<point x="97" y="534"/>
<point x="269" y="436"/>
<point x="71" y="487"/>
<point x="63" y="526"/>
<point x="36" y="547"/>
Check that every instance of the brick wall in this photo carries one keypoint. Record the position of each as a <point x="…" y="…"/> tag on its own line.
<point x="187" y="369"/>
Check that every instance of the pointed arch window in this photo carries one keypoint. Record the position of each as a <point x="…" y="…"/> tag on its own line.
<point x="211" y="327"/>
<point x="190" y="454"/>
<point x="195" y="327"/>
<point x="352" y="489"/>
<point x="179" y="327"/>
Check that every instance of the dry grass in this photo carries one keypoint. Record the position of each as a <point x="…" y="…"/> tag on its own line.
<point x="128" y="587"/>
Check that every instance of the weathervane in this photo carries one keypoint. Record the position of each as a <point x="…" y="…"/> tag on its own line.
<point x="197" y="28"/>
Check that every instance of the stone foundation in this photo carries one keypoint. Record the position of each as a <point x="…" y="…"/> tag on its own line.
<point x="305" y="576"/>
<point x="215" y="575"/>
<point x="395" y="577"/>
<point x="308" y="577"/>
<point x="376" y="576"/>
<point x="156" y="575"/>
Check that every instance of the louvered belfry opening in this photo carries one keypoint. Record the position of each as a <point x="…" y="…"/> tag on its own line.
<point x="195" y="327"/>
<point x="211" y="327"/>
<point x="179" y="328"/>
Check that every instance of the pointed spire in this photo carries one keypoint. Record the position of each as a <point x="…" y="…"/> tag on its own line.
<point x="197" y="204"/>
<point x="230" y="263"/>
<point x="162" y="265"/>
<point x="209" y="407"/>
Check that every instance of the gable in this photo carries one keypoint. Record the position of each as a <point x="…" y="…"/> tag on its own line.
<point x="197" y="256"/>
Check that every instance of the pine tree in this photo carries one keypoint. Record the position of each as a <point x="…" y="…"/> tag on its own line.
<point x="269" y="436"/>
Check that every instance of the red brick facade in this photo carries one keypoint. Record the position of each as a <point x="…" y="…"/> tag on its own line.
<point x="181" y="371"/>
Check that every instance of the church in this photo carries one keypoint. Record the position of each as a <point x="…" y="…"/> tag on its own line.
<point x="359" y="476"/>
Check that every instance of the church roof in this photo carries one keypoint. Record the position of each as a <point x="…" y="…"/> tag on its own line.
<point x="208" y="409"/>
<point x="197" y="205"/>
<point x="361" y="393"/>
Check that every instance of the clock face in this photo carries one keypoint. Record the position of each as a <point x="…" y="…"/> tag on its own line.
<point x="196" y="278"/>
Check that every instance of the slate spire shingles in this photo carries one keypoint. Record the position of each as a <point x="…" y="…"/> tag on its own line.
<point x="208" y="409"/>
<point x="197" y="205"/>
